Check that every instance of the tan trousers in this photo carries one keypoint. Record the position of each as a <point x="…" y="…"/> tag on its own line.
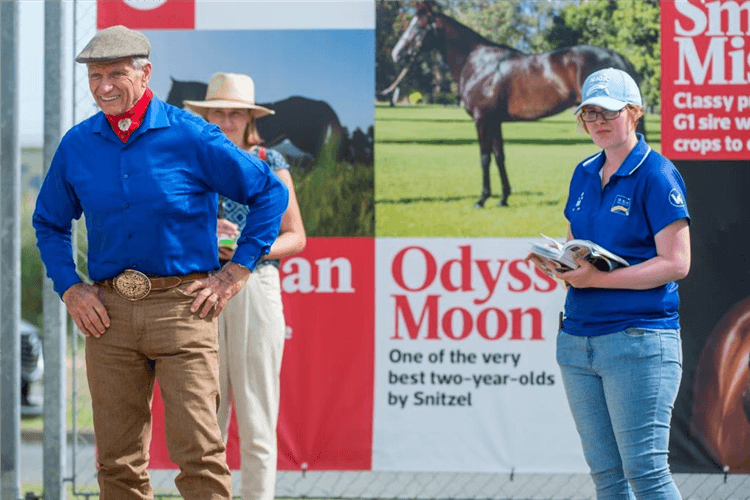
<point x="251" y="344"/>
<point x="156" y="338"/>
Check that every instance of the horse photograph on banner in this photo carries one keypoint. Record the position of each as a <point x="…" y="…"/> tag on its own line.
<point x="497" y="86"/>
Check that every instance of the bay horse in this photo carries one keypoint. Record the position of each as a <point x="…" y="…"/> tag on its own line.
<point x="497" y="83"/>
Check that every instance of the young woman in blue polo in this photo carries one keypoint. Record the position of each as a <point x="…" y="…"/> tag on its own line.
<point x="619" y="348"/>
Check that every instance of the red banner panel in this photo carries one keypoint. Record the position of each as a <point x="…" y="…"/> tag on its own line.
<point x="705" y="70"/>
<point x="146" y="14"/>
<point x="325" y="419"/>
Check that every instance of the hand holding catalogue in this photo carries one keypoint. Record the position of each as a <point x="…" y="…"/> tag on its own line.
<point x="563" y="254"/>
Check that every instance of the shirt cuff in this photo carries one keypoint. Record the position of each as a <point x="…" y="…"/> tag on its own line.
<point x="249" y="255"/>
<point x="61" y="285"/>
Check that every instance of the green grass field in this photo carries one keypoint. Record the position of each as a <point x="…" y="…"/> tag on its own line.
<point x="427" y="173"/>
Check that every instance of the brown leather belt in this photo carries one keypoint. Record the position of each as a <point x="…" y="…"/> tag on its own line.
<point x="134" y="285"/>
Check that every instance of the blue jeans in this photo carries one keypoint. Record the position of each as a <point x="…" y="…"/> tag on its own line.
<point x="621" y="388"/>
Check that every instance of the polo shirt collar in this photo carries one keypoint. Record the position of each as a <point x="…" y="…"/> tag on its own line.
<point x="635" y="159"/>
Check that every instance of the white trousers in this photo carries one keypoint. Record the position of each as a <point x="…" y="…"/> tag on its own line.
<point x="251" y="344"/>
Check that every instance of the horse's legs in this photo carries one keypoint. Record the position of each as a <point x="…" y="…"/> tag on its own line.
<point x="485" y="159"/>
<point x="498" y="150"/>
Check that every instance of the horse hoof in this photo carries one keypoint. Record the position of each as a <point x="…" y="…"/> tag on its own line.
<point x="502" y="203"/>
<point x="479" y="204"/>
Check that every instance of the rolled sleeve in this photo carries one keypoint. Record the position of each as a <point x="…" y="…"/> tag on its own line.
<point x="262" y="224"/>
<point x="246" y="179"/>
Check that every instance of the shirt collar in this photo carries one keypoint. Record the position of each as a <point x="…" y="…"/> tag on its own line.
<point x="635" y="159"/>
<point x="155" y="116"/>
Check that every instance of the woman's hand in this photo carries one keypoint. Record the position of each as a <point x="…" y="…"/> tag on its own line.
<point x="226" y="228"/>
<point x="225" y="253"/>
<point x="584" y="276"/>
<point x="229" y="231"/>
<point x="544" y="265"/>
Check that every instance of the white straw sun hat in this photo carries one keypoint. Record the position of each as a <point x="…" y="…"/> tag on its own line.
<point x="229" y="90"/>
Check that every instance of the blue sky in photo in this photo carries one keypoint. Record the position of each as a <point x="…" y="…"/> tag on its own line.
<point x="331" y="65"/>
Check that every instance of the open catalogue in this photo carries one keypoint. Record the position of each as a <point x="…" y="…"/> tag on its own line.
<point x="563" y="254"/>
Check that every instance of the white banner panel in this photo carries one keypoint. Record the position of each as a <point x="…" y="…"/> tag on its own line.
<point x="465" y="372"/>
<point x="286" y="14"/>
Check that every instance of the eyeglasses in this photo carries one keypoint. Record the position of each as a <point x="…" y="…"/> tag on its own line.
<point x="589" y="115"/>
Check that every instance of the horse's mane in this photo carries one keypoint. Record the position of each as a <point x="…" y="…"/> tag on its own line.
<point x="479" y="38"/>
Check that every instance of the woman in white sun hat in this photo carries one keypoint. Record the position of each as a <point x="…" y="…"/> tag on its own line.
<point x="619" y="347"/>
<point x="252" y="328"/>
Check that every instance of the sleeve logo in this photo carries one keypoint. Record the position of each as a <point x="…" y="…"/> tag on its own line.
<point x="676" y="198"/>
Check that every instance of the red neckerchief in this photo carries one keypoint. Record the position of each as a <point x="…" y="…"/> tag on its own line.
<point x="126" y="123"/>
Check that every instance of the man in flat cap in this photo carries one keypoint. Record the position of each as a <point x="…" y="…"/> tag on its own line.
<point x="146" y="175"/>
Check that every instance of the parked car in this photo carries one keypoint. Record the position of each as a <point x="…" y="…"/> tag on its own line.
<point x="32" y="370"/>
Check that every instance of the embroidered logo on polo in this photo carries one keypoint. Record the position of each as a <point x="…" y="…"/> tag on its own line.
<point x="676" y="198"/>
<point x="577" y="206"/>
<point x="621" y="205"/>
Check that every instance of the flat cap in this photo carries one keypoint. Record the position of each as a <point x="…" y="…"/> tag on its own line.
<point x="115" y="42"/>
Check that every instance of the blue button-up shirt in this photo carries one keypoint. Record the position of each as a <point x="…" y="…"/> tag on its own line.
<point x="150" y="203"/>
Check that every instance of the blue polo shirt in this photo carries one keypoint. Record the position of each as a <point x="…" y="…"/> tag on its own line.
<point x="645" y="195"/>
<point x="150" y="204"/>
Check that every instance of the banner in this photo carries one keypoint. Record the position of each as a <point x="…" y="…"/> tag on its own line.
<point x="424" y="352"/>
<point x="465" y="371"/>
<point x="705" y="72"/>
<point x="418" y="354"/>
<point x="325" y="421"/>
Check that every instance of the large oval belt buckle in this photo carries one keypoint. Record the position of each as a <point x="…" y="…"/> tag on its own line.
<point x="132" y="284"/>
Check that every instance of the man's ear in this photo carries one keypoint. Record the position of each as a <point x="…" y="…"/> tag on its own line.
<point x="147" y="72"/>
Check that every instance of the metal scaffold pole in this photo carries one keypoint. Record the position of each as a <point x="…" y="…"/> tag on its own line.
<point x="10" y="253"/>
<point x="55" y="332"/>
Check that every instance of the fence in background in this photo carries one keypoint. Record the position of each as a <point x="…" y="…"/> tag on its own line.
<point x="333" y="484"/>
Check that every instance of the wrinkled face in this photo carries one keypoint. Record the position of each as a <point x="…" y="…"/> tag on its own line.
<point x="612" y="133"/>
<point x="232" y="121"/>
<point x="117" y="86"/>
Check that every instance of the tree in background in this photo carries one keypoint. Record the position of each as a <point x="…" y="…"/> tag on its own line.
<point x="388" y="27"/>
<point x="517" y="23"/>
<point x="391" y="20"/>
<point x="631" y="27"/>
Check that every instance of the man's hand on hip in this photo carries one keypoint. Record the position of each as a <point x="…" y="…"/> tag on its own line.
<point x="86" y="309"/>
<point x="217" y="289"/>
